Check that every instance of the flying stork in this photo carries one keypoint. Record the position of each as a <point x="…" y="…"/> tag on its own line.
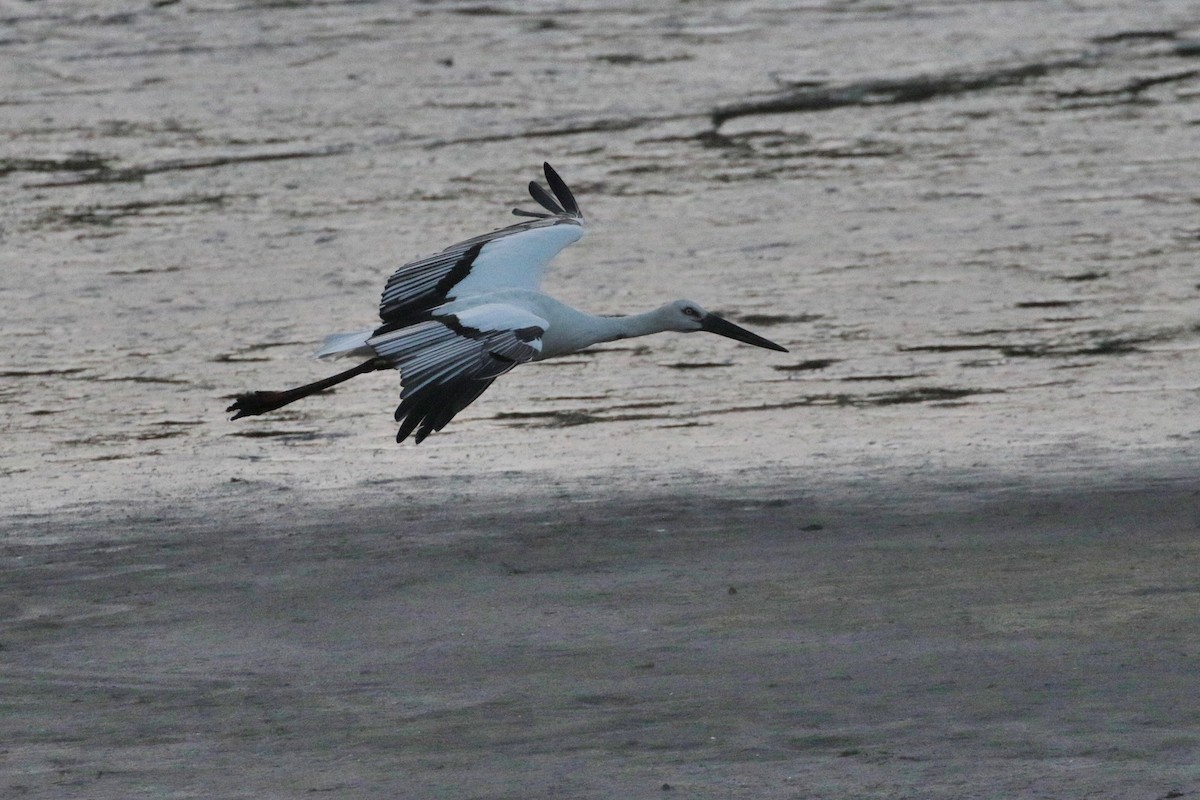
<point x="456" y="321"/>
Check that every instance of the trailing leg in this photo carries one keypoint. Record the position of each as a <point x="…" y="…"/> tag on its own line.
<point x="253" y="403"/>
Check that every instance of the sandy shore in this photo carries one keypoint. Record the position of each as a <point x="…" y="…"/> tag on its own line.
<point x="945" y="547"/>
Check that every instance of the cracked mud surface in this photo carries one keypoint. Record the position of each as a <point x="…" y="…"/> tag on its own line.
<point x="945" y="547"/>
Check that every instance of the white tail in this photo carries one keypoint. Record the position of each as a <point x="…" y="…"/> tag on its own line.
<point x="340" y="345"/>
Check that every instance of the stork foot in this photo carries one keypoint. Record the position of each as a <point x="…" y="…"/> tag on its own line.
<point x="253" y="403"/>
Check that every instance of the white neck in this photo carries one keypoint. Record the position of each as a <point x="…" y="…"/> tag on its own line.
<point x="588" y="329"/>
<point x="628" y="327"/>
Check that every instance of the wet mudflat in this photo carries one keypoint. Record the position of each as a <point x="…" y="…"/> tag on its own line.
<point x="751" y="645"/>
<point x="942" y="548"/>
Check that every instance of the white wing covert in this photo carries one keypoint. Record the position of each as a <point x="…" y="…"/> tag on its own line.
<point x="510" y="258"/>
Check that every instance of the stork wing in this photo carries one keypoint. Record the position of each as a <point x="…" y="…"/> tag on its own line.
<point x="446" y="362"/>
<point x="509" y="258"/>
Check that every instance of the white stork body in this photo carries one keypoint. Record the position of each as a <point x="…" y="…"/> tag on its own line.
<point x="454" y="322"/>
<point x="566" y="329"/>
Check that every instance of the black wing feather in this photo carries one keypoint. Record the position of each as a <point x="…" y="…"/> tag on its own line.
<point x="559" y="187"/>
<point x="561" y="204"/>
<point x="445" y="365"/>
<point x="544" y="199"/>
<point x="431" y="409"/>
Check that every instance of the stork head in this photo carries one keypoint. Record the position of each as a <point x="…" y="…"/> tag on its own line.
<point x="688" y="316"/>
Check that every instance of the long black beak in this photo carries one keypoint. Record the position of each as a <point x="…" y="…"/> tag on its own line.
<point x="714" y="324"/>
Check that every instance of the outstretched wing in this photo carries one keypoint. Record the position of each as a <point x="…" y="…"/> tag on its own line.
<point x="447" y="361"/>
<point x="509" y="258"/>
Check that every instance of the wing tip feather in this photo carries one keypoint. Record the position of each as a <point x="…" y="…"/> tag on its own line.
<point x="559" y="201"/>
<point x="561" y="191"/>
<point x="520" y="212"/>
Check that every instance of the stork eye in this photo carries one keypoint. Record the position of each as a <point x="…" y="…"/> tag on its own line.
<point x="691" y="312"/>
